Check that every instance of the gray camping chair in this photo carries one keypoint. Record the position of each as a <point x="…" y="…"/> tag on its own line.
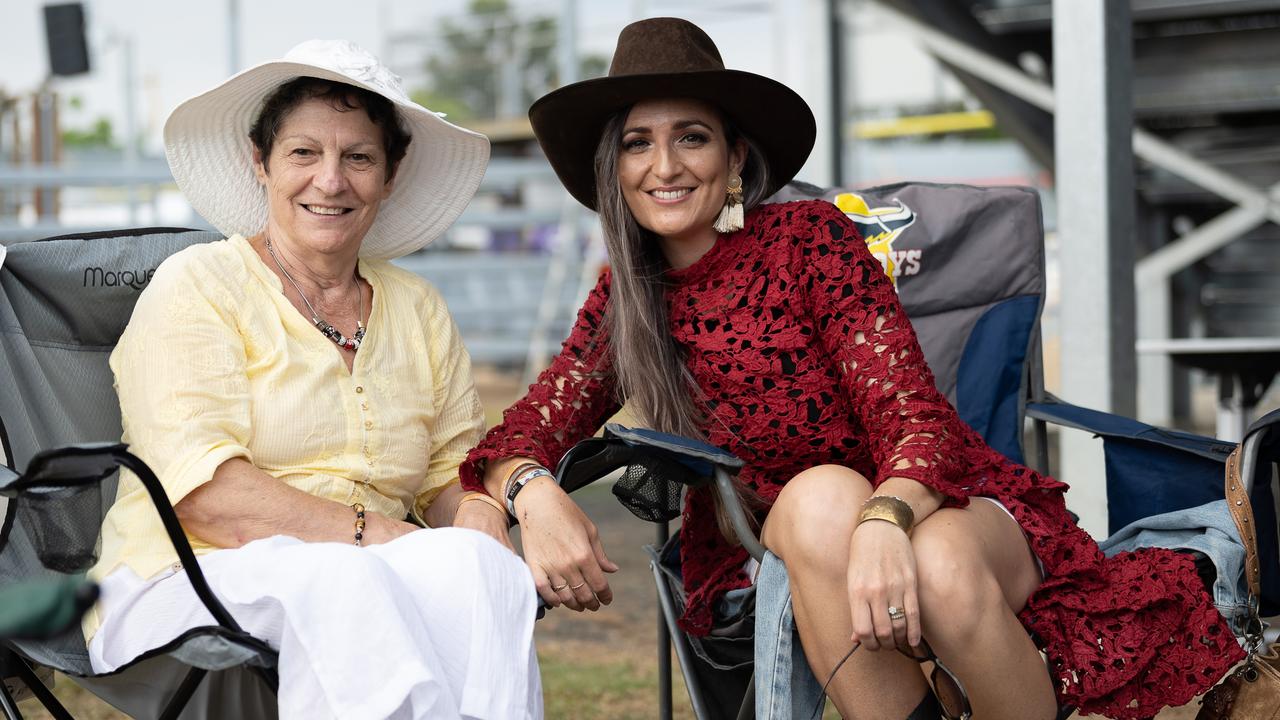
<point x="63" y="304"/>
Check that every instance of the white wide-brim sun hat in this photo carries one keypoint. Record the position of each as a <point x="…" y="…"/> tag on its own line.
<point x="206" y="140"/>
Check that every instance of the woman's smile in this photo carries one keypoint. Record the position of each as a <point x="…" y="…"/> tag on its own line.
<point x="669" y="196"/>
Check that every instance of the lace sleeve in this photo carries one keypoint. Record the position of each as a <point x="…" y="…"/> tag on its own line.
<point x="568" y="402"/>
<point x="911" y="428"/>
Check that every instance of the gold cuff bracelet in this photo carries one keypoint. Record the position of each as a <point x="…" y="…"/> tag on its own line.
<point x="890" y="509"/>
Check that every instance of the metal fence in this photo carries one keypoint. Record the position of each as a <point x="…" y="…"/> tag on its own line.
<point x="513" y="308"/>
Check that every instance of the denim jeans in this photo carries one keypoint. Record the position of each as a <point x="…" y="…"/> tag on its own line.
<point x="785" y="687"/>
<point x="1207" y="528"/>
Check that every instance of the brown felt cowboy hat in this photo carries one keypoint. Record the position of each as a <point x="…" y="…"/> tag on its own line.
<point x="669" y="57"/>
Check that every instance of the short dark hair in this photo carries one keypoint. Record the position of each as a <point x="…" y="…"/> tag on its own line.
<point x="342" y="97"/>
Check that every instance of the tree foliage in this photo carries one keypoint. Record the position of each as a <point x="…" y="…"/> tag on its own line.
<point x="98" y="135"/>
<point x="493" y="63"/>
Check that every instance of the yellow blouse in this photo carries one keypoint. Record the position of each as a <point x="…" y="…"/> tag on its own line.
<point x="217" y="364"/>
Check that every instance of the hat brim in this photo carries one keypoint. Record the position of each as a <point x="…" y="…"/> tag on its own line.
<point x="206" y="141"/>
<point x="568" y="121"/>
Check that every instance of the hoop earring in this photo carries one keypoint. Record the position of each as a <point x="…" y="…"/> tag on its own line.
<point x="731" y="215"/>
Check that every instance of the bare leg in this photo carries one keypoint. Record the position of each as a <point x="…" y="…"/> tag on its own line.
<point x="810" y="527"/>
<point x="975" y="572"/>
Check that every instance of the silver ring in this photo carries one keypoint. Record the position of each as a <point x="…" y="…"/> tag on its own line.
<point x="575" y="587"/>
<point x="896" y="613"/>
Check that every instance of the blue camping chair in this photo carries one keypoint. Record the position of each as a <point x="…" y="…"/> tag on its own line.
<point x="968" y="264"/>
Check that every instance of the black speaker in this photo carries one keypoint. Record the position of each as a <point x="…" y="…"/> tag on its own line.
<point x="64" y="31"/>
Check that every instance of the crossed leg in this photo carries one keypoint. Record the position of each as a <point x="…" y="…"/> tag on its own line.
<point x="975" y="571"/>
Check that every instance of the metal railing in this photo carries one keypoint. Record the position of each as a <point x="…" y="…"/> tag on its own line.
<point x="512" y="308"/>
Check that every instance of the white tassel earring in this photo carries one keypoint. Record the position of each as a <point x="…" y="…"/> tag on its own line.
<point x="730" y="218"/>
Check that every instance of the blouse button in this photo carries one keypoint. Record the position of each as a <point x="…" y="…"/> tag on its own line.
<point x="359" y="388"/>
<point x="177" y="567"/>
<point x="364" y="406"/>
<point x="368" y="424"/>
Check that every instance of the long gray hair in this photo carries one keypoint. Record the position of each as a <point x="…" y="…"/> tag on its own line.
<point x="648" y="364"/>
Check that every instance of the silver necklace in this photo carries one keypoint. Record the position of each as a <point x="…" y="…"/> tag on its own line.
<point x="324" y="326"/>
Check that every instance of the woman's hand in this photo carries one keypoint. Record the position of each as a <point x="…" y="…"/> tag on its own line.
<point x="485" y="518"/>
<point x="882" y="574"/>
<point x="562" y="547"/>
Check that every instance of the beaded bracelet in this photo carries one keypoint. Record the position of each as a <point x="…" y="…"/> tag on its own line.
<point x="889" y="508"/>
<point x="359" y="522"/>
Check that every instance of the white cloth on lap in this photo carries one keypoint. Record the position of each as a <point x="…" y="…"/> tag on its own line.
<point x="435" y="624"/>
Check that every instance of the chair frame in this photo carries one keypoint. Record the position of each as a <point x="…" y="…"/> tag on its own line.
<point x="92" y="463"/>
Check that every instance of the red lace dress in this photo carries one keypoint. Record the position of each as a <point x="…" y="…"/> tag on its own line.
<point x="797" y="340"/>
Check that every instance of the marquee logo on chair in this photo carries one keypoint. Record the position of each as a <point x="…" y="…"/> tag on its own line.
<point x="102" y="277"/>
<point x="880" y="227"/>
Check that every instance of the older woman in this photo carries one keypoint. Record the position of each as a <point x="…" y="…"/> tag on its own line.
<point x="301" y="398"/>
<point x="775" y="334"/>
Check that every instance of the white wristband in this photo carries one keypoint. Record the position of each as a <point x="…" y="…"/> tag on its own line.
<point x="518" y="484"/>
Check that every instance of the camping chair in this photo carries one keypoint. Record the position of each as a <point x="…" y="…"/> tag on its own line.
<point x="968" y="265"/>
<point x="63" y="304"/>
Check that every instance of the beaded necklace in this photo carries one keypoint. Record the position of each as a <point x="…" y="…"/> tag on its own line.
<point x="327" y="329"/>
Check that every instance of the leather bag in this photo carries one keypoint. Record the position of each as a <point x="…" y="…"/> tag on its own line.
<point x="1251" y="691"/>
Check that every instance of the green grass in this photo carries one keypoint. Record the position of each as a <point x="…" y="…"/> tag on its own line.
<point x="576" y="687"/>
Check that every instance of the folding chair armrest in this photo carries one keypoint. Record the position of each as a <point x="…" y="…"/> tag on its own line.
<point x="1057" y="412"/>
<point x="698" y="464"/>
<point x="1106" y="424"/>
<point x="593" y="458"/>
<point x="73" y="465"/>
<point x="1264" y="432"/>
<point x="695" y="454"/>
<point x="588" y="461"/>
<point x="67" y="466"/>
<point x="178" y="537"/>
<point x="737" y="516"/>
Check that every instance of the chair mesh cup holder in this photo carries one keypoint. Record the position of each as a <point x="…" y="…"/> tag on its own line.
<point x="62" y="523"/>
<point x="651" y="487"/>
<point x="58" y="503"/>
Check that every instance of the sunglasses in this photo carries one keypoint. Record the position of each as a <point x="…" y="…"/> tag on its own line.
<point x="946" y="686"/>
<point x="950" y="694"/>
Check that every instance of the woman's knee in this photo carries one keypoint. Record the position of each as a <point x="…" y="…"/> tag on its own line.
<point x="955" y="586"/>
<point x="816" y="509"/>
<point x="473" y="564"/>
